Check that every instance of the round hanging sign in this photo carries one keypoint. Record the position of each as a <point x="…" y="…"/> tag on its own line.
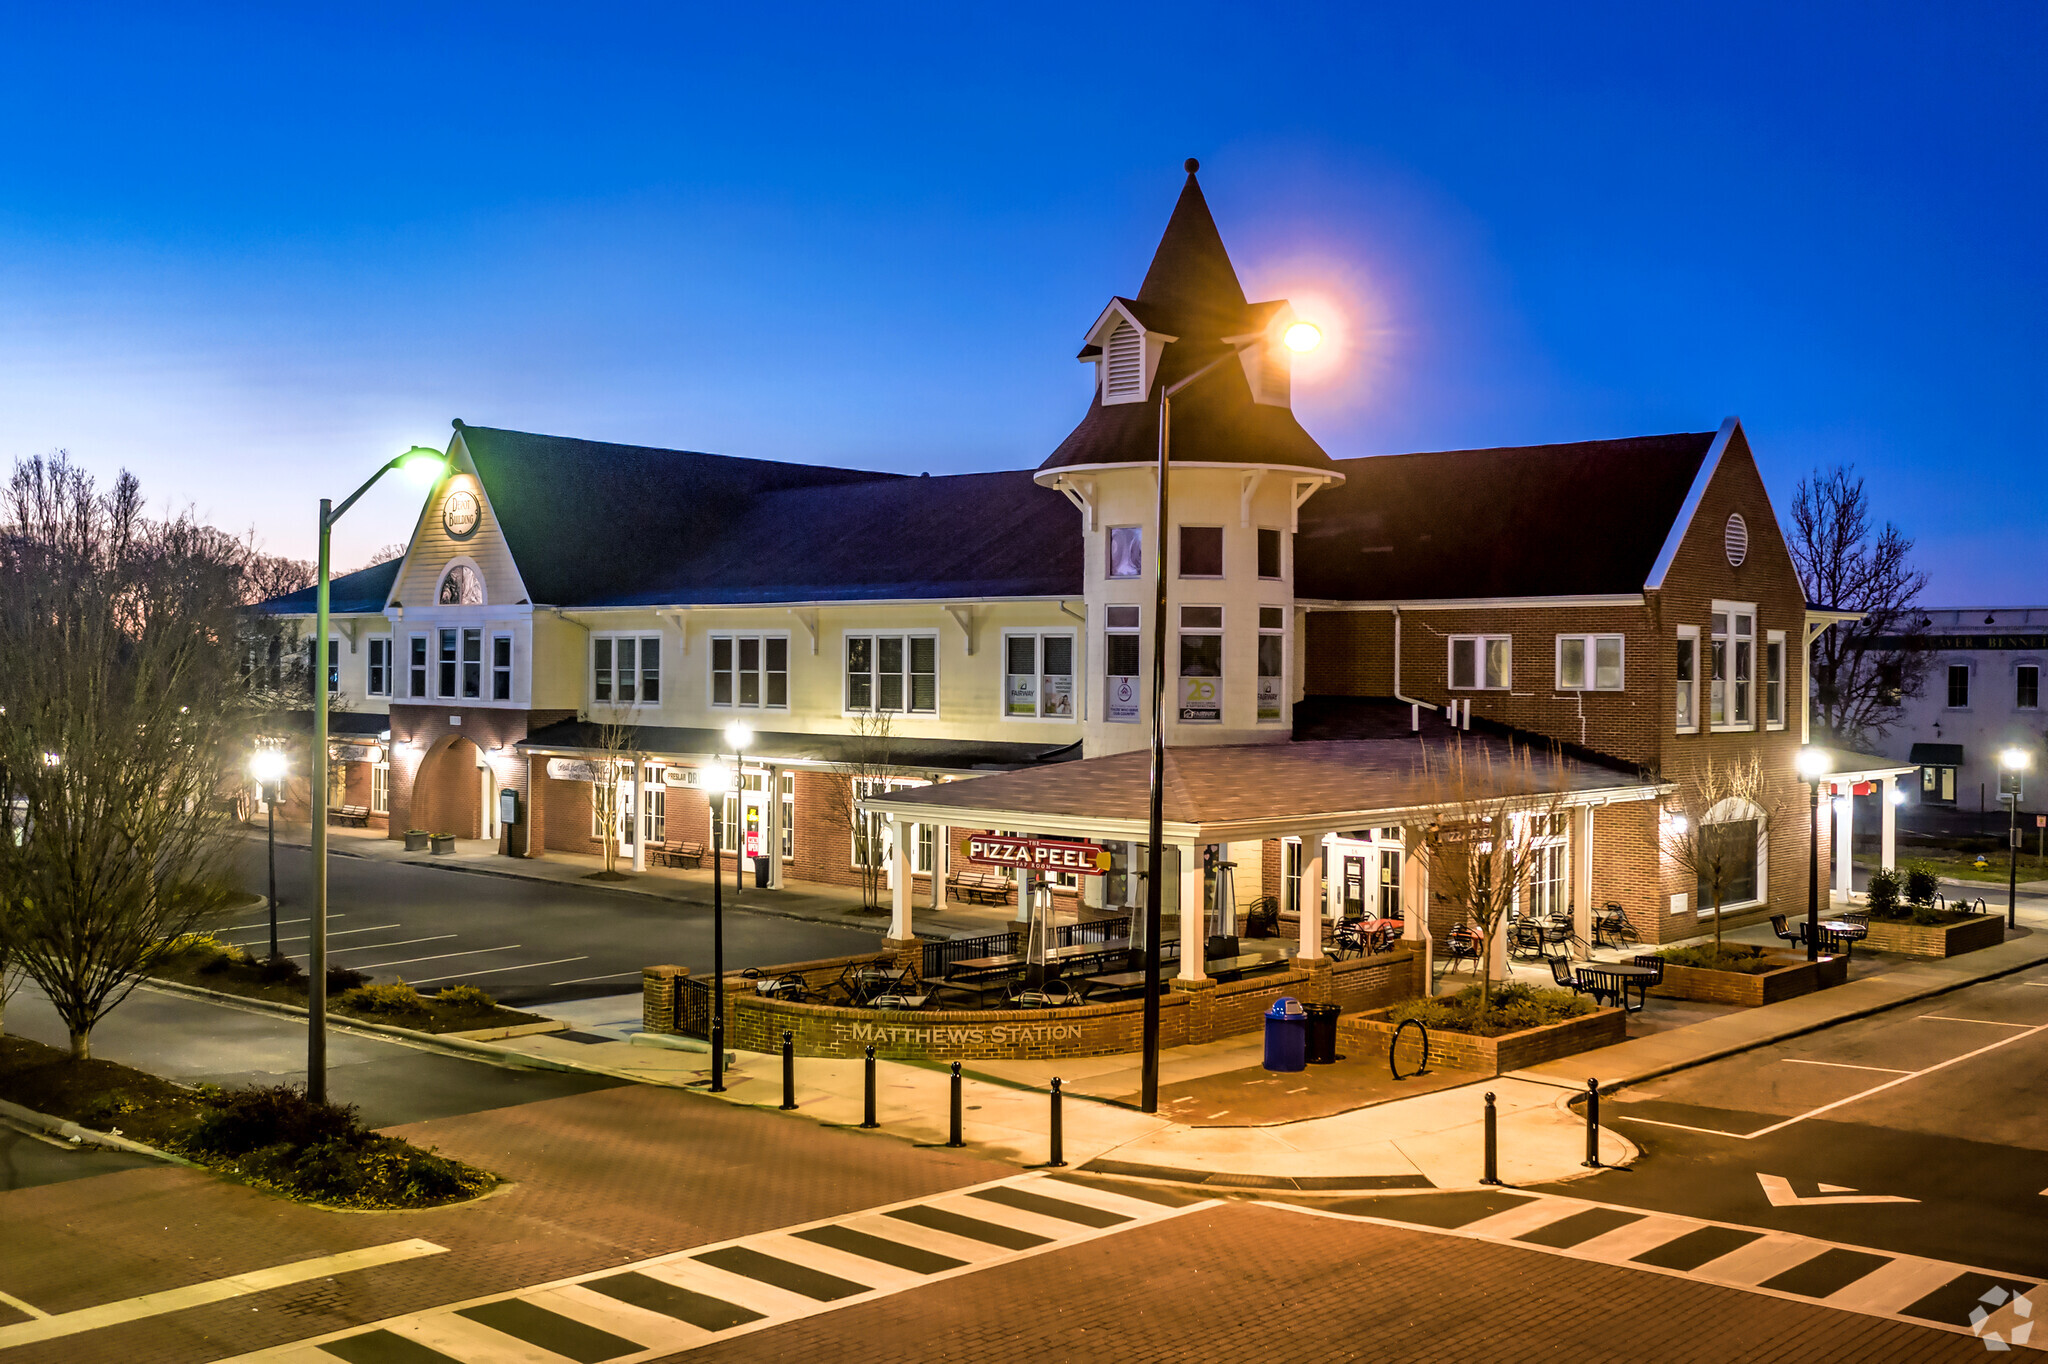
<point x="459" y="514"/>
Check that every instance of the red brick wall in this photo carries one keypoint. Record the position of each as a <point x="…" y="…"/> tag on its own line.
<point x="416" y="730"/>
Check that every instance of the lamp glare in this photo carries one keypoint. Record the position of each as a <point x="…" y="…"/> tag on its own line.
<point x="717" y="777"/>
<point x="2014" y="759"/>
<point x="1303" y="336"/>
<point x="422" y="464"/>
<point x="738" y="735"/>
<point x="1813" y="762"/>
<point x="267" y="766"/>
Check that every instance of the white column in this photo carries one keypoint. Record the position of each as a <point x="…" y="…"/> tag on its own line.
<point x="1582" y="875"/>
<point x="942" y="863"/>
<point x="899" y="862"/>
<point x="1845" y="817"/>
<point x="1194" y="938"/>
<point x="1312" y="892"/>
<point x="1888" y="824"/>
<point x="639" y="814"/>
<point x="774" y="848"/>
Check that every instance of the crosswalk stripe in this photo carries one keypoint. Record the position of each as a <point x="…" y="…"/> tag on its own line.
<point x="1645" y="1234"/>
<point x="1521" y="1219"/>
<point x="696" y="1309"/>
<point x="1766" y="1257"/>
<point x="1894" y="1287"/>
<point x="649" y="1330"/>
<point x="957" y="1248"/>
<point x="718" y="1284"/>
<point x="869" y="1246"/>
<point x="1065" y="1209"/>
<point x="967" y="1230"/>
<point x="1052" y="1230"/>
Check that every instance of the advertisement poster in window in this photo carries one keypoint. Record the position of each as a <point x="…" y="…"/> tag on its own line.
<point x="1269" y="698"/>
<point x="1058" y="691"/>
<point x="1201" y="700"/>
<point x="1123" y="700"/>
<point x="1020" y="700"/>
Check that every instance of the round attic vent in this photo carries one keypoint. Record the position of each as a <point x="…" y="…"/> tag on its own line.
<point x="1737" y="540"/>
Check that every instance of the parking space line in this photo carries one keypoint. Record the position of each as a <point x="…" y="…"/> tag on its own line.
<point x="402" y="942"/>
<point x="302" y="937"/>
<point x="1910" y="1075"/>
<point x="1992" y="1022"/>
<point x="587" y="980"/>
<point x="1845" y="1065"/>
<point x="473" y="952"/>
<point x="495" y="970"/>
<point x="246" y="928"/>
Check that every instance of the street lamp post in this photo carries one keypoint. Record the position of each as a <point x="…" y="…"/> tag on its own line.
<point x="1301" y="336"/>
<point x="418" y="461"/>
<point x="738" y="735"/>
<point x="2014" y="761"/>
<point x="267" y="766"/>
<point x="1813" y="764"/>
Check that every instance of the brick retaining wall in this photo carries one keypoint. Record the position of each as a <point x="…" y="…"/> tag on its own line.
<point x="1938" y="940"/>
<point x="1370" y="1034"/>
<point x="1793" y="979"/>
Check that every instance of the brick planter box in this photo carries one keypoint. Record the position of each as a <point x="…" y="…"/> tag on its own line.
<point x="1370" y="1033"/>
<point x="1789" y="981"/>
<point x="1940" y="940"/>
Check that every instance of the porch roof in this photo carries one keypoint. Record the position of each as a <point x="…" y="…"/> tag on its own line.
<point x="1252" y="791"/>
<point x="909" y="755"/>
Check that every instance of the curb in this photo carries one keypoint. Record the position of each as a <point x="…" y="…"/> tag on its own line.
<point x="72" y="1132"/>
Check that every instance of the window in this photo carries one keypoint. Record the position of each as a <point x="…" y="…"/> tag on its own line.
<point x="333" y="667"/>
<point x="750" y="670"/>
<point x="380" y="788"/>
<point x="893" y="673"/>
<point x="501" y="667"/>
<point x="1121" y="684"/>
<point x="1290" y="876"/>
<point x="1589" y="662"/>
<point x="1731" y="666"/>
<point x="1735" y="843"/>
<point x="1480" y="662"/>
<point x="463" y="586"/>
<point x="2027" y="694"/>
<point x="1038" y="675"/>
<point x="380" y="667"/>
<point x="1201" y="665"/>
<point x="1547" y="882"/>
<point x="1201" y="551"/>
<point x="625" y="670"/>
<point x="1686" y="672"/>
<point x="1272" y="659"/>
<point x="654" y="819"/>
<point x="417" y="665"/>
<point x="473" y="665"/>
<point x="446" y="663"/>
<point x="1958" y="686"/>
<point x="789" y="814"/>
<point x="1126" y="552"/>
<point x="1269" y="553"/>
<point x="1774" y="679"/>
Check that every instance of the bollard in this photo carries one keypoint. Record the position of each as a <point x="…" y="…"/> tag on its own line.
<point x="1592" y="1161"/>
<point x="789" y="1070"/>
<point x="1492" y="1175"/>
<point x="1059" y="1156"/>
<point x="717" y="1055"/>
<point x="868" y="1114"/>
<point x="954" y="1138"/>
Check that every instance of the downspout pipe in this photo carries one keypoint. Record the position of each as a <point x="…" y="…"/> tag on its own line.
<point x="1397" y="665"/>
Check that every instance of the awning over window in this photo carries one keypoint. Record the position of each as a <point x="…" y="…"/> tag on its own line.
<point x="1937" y="755"/>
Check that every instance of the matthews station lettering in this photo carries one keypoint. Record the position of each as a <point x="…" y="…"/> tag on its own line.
<point x="1037" y="854"/>
<point x="940" y="1038"/>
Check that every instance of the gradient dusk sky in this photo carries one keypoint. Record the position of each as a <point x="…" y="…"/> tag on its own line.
<point x="252" y="251"/>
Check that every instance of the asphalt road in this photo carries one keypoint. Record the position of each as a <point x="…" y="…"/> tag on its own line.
<point x="1937" y="1103"/>
<point x="526" y="942"/>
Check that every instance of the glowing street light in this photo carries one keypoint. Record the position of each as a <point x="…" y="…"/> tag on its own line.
<point x="268" y="766"/>
<point x="2014" y="760"/>
<point x="1303" y="336"/>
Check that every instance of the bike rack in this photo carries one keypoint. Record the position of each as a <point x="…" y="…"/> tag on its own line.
<point x="1394" y="1065"/>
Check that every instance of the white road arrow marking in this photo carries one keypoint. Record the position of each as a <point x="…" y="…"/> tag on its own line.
<point x="1779" y="1191"/>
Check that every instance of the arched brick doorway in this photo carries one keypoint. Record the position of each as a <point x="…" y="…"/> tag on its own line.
<point x="447" y="793"/>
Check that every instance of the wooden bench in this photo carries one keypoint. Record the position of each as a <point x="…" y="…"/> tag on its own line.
<point x="981" y="887"/>
<point x="689" y="855"/>
<point x="356" y="815"/>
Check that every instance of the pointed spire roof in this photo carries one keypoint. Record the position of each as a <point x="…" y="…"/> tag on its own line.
<point x="1191" y="274"/>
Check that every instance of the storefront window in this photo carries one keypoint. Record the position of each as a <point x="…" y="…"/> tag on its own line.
<point x="1038" y="675"/>
<point x="1736" y="842"/>
<point x="1121" y="685"/>
<point x="1201" y="665"/>
<point x="1272" y="659"/>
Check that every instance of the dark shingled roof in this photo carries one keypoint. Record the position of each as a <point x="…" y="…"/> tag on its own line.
<point x="1529" y="521"/>
<point x="912" y="755"/>
<point x="363" y="591"/>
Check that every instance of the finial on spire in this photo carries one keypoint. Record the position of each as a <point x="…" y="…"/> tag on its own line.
<point x="1193" y="165"/>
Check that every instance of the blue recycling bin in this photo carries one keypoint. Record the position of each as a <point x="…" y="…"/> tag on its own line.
<point x="1286" y="1035"/>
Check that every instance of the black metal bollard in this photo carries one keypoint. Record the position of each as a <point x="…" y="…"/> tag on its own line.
<point x="1592" y="1161"/>
<point x="1059" y="1156"/>
<point x="954" y="1139"/>
<point x="1492" y="1175"/>
<point x="868" y="1114"/>
<point x="789" y="1070"/>
<point x="717" y="1056"/>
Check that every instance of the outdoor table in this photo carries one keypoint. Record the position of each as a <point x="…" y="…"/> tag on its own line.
<point x="1613" y="980"/>
<point x="1219" y="968"/>
<point x="1846" y="932"/>
<point x="988" y="966"/>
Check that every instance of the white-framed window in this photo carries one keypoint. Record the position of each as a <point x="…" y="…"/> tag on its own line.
<point x="895" y="673"/>
<point x="1270" y="565"/>
<point x="1589" y="662"/>
<point x="1122" y="687"/>
<point x="447" y="657"/>
<point x="416" y="665"/>
<point x="750" y="671"/>
<point x="1201" y="665"/>
<point x="333" y="663"/>
<point x="1731" y="667"/>
<point x="1774" y="679"/>
<point x="1201" y="551"/>
<point x="654" y="817"/>
<point x="380" y="788"/>
<point x="2027" y="686"/>
<point x="625" y="670"/>
<point x="379" y="681"/>
<point x="1038" y="674"/>
<point x="1547" y="871"/>
<point x="1126" y="552"/>
<point x="461" y="585"/>
<point x="1272" y="662"/>
<point x="1958" y="686"/>
<point x="1738" y="827"/>
<point x="472" y="665"/>
<point x="870" y="839"/>
<point x="1481" y="662"/>
<point x="1685" y="671"/>
<point x="788" y="815"/>
<point x="501" y="667"/>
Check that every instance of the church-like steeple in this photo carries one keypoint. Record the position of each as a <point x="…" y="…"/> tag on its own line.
<point x="1191" y="277"/>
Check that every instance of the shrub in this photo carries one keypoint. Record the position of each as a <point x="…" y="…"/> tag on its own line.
<point x="239" y="1121"/>
<point x="340" y="980"/>
<point x="1882" y="895"/>
<point x="1923" y="882"/>
<point x="1747" y="961"/>
<point x="1516" y="1008"/>
<point x="467" y="998"/>
<point x="280" y="971"/>
<point x="202" y="952"/>
<point x="395" y="998"/>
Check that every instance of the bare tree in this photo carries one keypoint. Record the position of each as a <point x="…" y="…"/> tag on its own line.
<point x="618" y="740"/>
<point x="1493" y="815"/>
<point x="384" y="555"/>
<point x="1719" y="818"/>
<point x="120" y="727"/>
<point x="1863" y="671"/>
<point x="869" y="761"/>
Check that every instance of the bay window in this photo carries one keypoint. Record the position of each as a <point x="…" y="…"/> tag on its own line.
<point x="1201" y="665"/>
<point x="1272" y="659"/>
<point x="501" y="667"/>
<point x="380" y="667"/>
<point x="416" y="664"/>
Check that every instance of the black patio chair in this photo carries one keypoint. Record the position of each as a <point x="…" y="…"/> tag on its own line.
<point x="1612" y="920"/>
<point x="1459" y="946"/>
<point x="1778" y="926"/>
<point x="1526" y="939"/>
<point x="1650" y="963"/>
<point x="1561" y="972"/>
<point x="1054" y="994"/>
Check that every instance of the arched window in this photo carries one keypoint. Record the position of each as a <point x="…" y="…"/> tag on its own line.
<point x="463" y="586"/>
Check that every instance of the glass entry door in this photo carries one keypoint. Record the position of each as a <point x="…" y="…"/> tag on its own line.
<point x="1353" y="900"/>
<point x="1390" y="883"/>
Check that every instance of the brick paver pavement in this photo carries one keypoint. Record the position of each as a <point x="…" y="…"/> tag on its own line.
<point x="599" y="1179"/>
<point x="1253" y="1281"/>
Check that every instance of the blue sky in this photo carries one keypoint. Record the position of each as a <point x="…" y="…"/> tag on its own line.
<point x="252" y="251"/>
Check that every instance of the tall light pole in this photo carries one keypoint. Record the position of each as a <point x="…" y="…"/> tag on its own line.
<point x="2014" y="760"/>
<point x="420" y="462"/>
<point x="1301" y="336"/>
<point x="1813" y="764"/>
<point x="267" y="766"/>
<point x="738" y="736"/>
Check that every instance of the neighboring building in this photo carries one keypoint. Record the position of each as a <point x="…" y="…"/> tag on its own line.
<point x="1982" y="695"/>
<point x="1630" y="599"/>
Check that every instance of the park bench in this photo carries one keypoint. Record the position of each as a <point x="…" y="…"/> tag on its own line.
<point x="689" y="855"/>
<point x="355" y="815"/>
<point x="981" y="887"/>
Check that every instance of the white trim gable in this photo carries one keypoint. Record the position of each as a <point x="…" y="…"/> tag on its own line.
<point x="460" y="463"/>
<point x="1102" y="333"/>
<point x="1683" y="522"/>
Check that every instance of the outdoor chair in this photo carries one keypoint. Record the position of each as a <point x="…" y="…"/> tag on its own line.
<point x="1650" y="963"/>
<point x="1262" y="918"/>
<point x="1785" y="934"/>
<point x="1612" y="920"/>
<point x="1561" y="972"/>
<point x="1527" y="939"/>
<point x="1462" y="945"/>
<point x="1053" y="994"/>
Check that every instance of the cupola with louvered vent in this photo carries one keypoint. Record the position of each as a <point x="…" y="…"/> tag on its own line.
<point x="1123" y="370"/>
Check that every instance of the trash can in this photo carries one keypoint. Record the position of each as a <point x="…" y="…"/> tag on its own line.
<point x="761" y="873"/>
<point x="1321" y="1049"/>
<point x="1286" y="1035"/>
